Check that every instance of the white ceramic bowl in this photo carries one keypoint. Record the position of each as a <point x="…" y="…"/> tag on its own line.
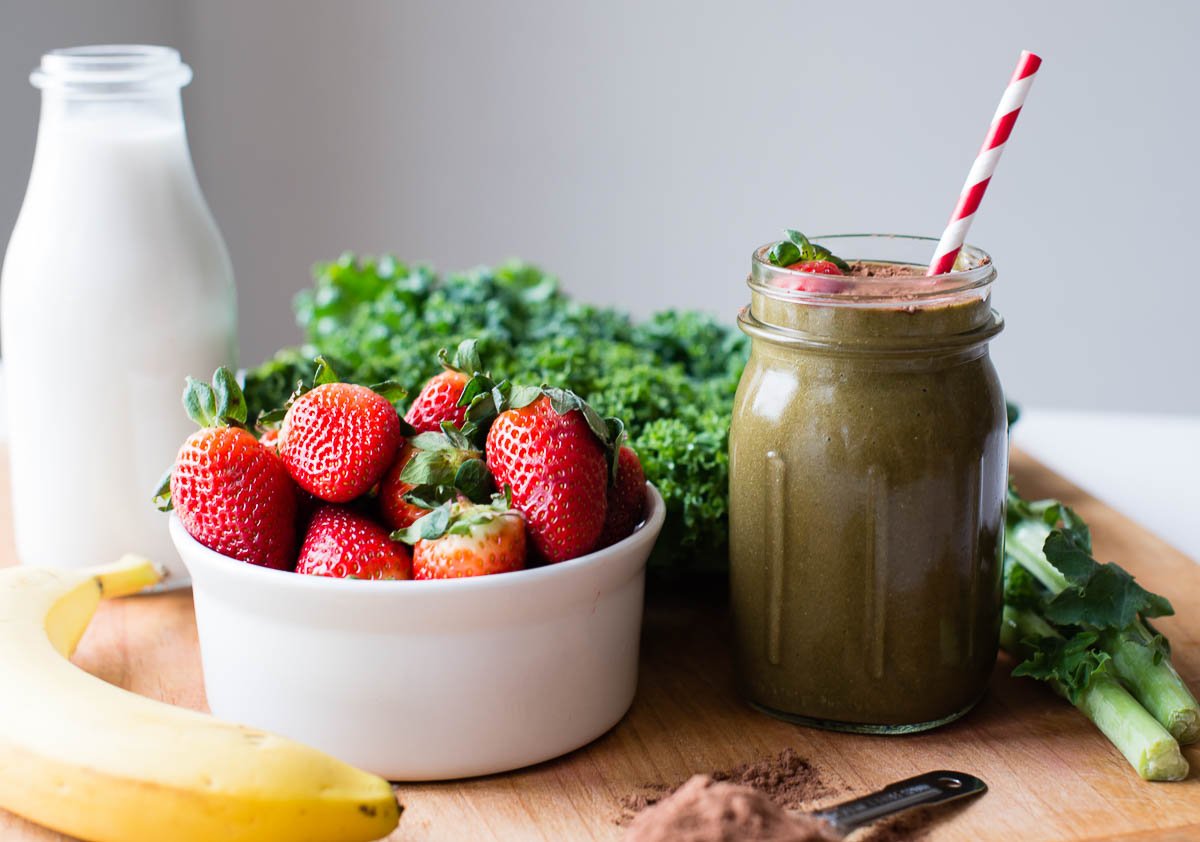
<point x="426" y="680"/>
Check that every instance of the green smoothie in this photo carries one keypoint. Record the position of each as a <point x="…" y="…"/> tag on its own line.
<point x="868" y="463"/>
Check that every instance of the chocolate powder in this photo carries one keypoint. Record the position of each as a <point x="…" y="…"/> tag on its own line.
<point x="704" y="810"/>
<point x="871" y="269"/>
<point x="787" y="781"/>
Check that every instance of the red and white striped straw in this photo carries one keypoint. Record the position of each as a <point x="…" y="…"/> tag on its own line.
<point x="985" y="164"/>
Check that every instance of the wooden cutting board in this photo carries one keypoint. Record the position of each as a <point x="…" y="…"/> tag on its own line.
<point x="1052" y="776"/>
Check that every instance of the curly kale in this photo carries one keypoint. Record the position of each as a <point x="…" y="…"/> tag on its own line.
<point x="671" y="378"/>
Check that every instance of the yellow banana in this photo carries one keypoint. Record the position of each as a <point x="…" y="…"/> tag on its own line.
<point x="92" y="760"/>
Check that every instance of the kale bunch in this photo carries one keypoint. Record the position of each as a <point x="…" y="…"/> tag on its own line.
<point x="671" y="378"/>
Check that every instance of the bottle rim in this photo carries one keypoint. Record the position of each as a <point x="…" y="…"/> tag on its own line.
<point x="103" y="70"/>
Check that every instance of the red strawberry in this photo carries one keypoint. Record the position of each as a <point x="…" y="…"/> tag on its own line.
<point x="811" y="284"/>
<point x="438" y="402"/>
<point x="396" y="511"/>
<point x="479" y="540"/>
<point x="626" y="499"/>
<point x="339" y="439"/>
<point x="270" y="440"/>
<point x="345" y="544"/>
<point x="231" y="493"/>
<point x="557" y="467"/>
<point x="820" y="267"/>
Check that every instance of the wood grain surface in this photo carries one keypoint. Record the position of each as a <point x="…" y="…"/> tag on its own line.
<point x="1052" y="776"/>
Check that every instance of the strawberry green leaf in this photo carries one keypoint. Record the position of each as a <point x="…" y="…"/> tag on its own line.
<point x="162" y="494"/>
<point x="200" y="403"/>
<point x="428" y="467"/>
<point x="391" y="390"/>
<point x="219" y="405"/>
<point x="562" y="401"/>
<point x="479" y="384"/>
<point x="455" y="436"/>
<point x="271" y="419"/>
<point x="522" y="396"/>
<point x="230" y="404"/>
<point x="432" y="441"/>
<point x="407" y="430"/>
<point x="466" y="358"/>
<point x="429" y="496"/>
<point x="616" y="432"/>
<point x="324" y="373"/>
<point x="427" y="528"/>
<point x="474" y="480"/>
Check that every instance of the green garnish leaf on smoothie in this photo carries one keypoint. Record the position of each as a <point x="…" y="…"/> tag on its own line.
<point x="797" y="248"/>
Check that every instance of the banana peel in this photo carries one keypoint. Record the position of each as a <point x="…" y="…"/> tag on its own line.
<point x="94" y="761"/>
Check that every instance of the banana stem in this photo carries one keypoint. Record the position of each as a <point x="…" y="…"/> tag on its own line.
<point x="127" y="575"/>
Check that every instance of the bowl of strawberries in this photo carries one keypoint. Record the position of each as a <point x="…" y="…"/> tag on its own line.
<point x="453" y="592"/>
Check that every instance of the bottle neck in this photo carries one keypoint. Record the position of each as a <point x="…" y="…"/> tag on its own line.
<point x="109" y="86"/>
<point x="161" y="109"/>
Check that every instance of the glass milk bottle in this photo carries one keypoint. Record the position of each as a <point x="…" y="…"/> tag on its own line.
<point x="115" y="287"/>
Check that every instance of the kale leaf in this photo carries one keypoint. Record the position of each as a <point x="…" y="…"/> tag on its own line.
<point x="671" y="378"/>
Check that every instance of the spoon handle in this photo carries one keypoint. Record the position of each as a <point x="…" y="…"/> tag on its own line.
<point x="929" y="788"/>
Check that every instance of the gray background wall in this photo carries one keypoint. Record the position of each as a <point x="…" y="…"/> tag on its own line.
<point x="641" y="150"/>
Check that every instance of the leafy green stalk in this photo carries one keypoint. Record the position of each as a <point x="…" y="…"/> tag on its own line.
<point x="1154" y="681"/>
<point x="1148" y="747"/>
<point x="1053" y="544"/>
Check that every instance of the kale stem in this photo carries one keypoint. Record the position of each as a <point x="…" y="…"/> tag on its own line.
<point x="1024" y="540"/>
<point x="1156" y="685"/>
<point x="1148" y="747"/>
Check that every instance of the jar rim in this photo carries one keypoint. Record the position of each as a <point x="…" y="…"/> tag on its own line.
<point x="917" y="287"/>
<point x="102" y="70"/>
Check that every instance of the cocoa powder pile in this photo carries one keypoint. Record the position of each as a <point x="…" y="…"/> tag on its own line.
<point x="704" y="810"/>
<point x="789" y="779"/>
<point x="736" y="804"/>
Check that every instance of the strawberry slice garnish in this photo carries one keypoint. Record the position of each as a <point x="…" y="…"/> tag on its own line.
<point x="799" y="254"/>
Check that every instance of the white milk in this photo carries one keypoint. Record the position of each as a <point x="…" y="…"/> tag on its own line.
<point x="115" y="286"/>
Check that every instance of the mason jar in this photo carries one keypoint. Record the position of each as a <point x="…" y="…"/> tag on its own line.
<point x="868" y="463"/>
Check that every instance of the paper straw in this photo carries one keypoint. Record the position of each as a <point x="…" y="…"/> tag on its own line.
<point x="985" y="164"/>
